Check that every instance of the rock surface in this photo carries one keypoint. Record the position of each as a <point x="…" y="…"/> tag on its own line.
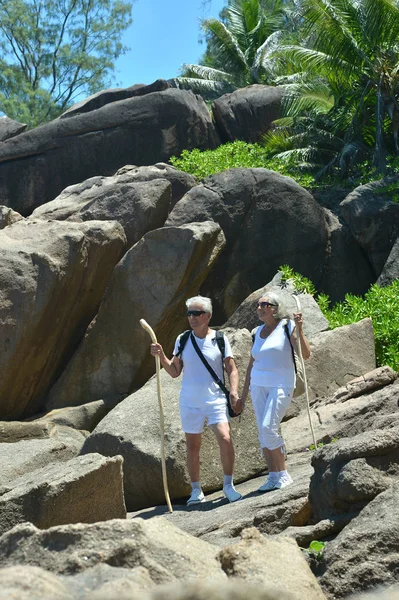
<point x="247" y="559"/>
<point x="155" y="545"/>
<point x="139" y="131"/>
<point x="366" y="551"/>
<point x="247" y="113"/>
<point x="351" y="472"/>
<point x="390" y="272"/>
<point x="85" y="489"/>
<point x="373" y="220"/>
<point x="151" y="282"/>
<point x="138" y="206"/>
<point x="251" y="205"/>
<point x="10" y="128"/>
<point x="28" y="455"/>
<point x="52" y="278"/>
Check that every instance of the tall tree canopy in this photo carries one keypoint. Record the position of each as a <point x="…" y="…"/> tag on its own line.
<point x="345" y="95"/>
<point x="239" y="45"/>
<point x="51" y="51"/>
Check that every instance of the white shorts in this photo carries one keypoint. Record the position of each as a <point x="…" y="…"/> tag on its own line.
<point x="270" y="405"/>
<point x="193" y="419"/>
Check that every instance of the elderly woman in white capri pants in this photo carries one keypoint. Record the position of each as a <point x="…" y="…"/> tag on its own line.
<point x="201" y="399"/>
<point x="271" y="379"/>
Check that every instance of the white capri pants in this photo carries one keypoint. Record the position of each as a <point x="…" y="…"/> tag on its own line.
<point x="270" y="405"/>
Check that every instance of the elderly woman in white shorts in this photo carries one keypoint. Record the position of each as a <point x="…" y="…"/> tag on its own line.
<point x="201" y="399"/>
<point x="271" y="379"/>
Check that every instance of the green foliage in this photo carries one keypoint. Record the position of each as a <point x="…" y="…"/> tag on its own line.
<point x="316" y="549"/>
<point x="380" y="304"/>
<point x="302" y="284"/>
<point x="54" y="50"/>
<point x="235" y="154"/>
<point x="343" y="97"/>
<point x="239" y="46"/>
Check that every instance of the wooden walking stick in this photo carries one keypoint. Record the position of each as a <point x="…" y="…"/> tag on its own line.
<point x="150" y="331"/>
<point x="305" y="381"/>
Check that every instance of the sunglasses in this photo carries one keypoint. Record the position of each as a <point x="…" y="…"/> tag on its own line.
<point x="264" y="304"/>
<point x="195" y="313"/>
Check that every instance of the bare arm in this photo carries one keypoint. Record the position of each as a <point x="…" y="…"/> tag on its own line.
<point x="232" y="373"/>
<point x="298" y="333"/>
<point x="247" y="381"/>
<point x="172" y="366"/>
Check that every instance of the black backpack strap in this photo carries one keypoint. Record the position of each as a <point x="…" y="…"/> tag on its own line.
<point x="220" y="342"/>
<point x="208" y="366"/>
<point x="289" y="339"/>
<point x="183" y="341"/>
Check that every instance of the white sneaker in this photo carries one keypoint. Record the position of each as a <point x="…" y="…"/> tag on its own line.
<point x="231" y="493"/>
<point x="269" y="485"/>
<point x="197" y="496"/>
<point x="283" y="481"/>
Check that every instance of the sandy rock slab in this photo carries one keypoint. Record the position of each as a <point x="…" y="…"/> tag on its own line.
<point x="52" y="278"/>
<point x="366" y="552"/>
<point x="167" y="553"/>
<point x="28" y="455"/>
<point x="84" y="489"/>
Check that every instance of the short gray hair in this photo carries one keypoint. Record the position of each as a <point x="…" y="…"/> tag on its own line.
<point x="206" y="303"/>
<point x="281" y="312"/>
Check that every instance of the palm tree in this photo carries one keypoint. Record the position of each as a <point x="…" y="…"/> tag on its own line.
<point x="239" y="46"/>
<point x="352" y="48"/>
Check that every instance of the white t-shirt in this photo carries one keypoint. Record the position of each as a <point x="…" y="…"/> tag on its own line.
<point x="198" y="386"/>
<point x="273" y="365"/>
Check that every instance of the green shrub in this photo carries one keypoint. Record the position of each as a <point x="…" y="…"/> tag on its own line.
<point x="236" y="154"/>
<point x="381" y="304"/>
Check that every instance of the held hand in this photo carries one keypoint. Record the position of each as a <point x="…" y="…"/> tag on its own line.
<point x="156" y="349"/>
<point x="237" y="405"/>
<point x="298" y="319"/>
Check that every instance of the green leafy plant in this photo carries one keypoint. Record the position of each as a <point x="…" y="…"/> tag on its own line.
<point x="233" y="155"/>
<point x="316" y="549"/>
<point x="301" y="283"/>
<point x="380" y="304"/>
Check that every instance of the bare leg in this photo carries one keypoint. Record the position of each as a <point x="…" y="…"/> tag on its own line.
<point x="275" y="459"/>
<point x="227" y="456"/>
<point x="193" y="444"/>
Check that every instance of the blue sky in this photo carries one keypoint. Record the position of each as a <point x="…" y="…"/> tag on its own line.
<point x="164" y="35"/>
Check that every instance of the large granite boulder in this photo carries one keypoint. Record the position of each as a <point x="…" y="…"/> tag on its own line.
<point x="10" y="128"/>
<point x="84" y="417"/>
<point x="390" y="272"/>
<point x="151" y="282"/>
<point x="15" y="431"/>
<point x="139" y="207"/>
<point x="85" y="489"/>
<point x="364" y="555"/>
<point x="373" y="219"/>
<point x="25" y="456"/>
<point x="351" y="472"/>
<point x="32" y="583"/>
<point x="96" y="101"/>
<point x="346" y="417"/>
<point x="347" y="269"/>
<point x="247" y="559"/>
<point x="8" y="216"/>
<point x="139" y="198"/>
<point x="53" y="276"/>
<point x="141" y="130"/>
<point x="167" y="553"/>
<point x="247" y="113"/>
<point x="268" y="220"/>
